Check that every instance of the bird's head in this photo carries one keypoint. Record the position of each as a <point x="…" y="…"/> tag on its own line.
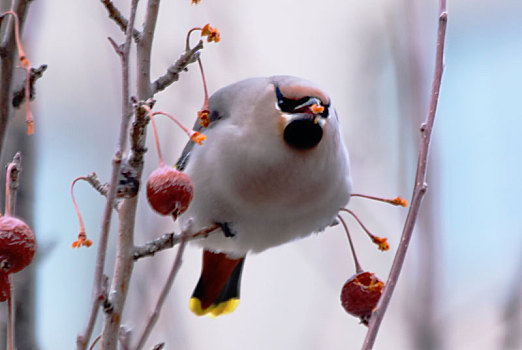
<point x="304" y="110"/>
<point x="287" y="108"/>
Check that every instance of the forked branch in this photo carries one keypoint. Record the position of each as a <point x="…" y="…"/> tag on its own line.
<point x="119" y="19"/>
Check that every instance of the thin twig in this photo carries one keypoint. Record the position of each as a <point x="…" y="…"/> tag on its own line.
<point x="169" y="240"/>
<point x="172" y="75"/>
<point x="125" y="262"/>
<point x="153" y="318"/>
<point x="7" y="64"/>
<point x="419" y="189"/>
<point x="12" y="182"/>
<point x="96" y="340"/>
<point x="118" y="18"/>
<point x="97" y="293"/>
<point x="19" y="94"/>
<point x="95" y="182"/>
<point x="124" y="337"/>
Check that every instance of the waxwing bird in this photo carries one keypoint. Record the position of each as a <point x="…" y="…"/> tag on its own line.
<point x="273" y="168"/>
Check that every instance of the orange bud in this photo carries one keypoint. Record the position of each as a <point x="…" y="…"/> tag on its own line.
<point x="212" y="34"/>
<point x="381" y="242"/>
<point x="203" y="117"/>
<point x="198" y="137"/>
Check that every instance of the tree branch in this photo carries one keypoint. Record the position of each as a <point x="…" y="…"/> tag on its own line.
<point x="16" y="168"/>
<point x="169" y="240"/>
<point x="419" y="189"/>
<point x="172" y="75"/>
<point x="82" y="340"/>
<point x="153" y="318"/>
<point x="123" y="268"/>
<point x="7" y="64"/>
<point x="19" y="93"/>
<point x="118" y="18"/>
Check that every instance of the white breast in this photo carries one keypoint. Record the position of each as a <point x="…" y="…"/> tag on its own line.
<point x="268" y="192"/>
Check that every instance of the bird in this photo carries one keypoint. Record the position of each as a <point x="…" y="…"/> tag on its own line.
<point x="273" y="169"/>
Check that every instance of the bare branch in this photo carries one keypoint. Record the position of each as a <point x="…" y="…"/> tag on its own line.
<point x="124" y="337"/>
<point x="117" y="48"/>
<point x="172" y="75"/>
<point x="153" y="318"/>
<point x="83" y="339"/>
<point x="169" y="240"/>
<point x="14" y="169"/>
<point x="124" y="261"/>
<point x="118" y="18"/>
<point x="19" y="94"/>
<point x="419" y="189"/>
<point x="7" y="63"/>
<point x="93" y="180"/>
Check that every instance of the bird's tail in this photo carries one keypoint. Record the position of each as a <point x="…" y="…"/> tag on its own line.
<point x="217" y="291"/>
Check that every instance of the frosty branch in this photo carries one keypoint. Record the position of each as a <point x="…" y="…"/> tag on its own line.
<point x="420" y="186"/>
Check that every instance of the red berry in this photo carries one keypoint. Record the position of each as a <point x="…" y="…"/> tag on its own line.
<point x="169" y="191"/>
<point x="17" y="248"/>
<point x="360" y="295"/>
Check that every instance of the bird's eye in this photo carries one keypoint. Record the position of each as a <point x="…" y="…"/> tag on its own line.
<point x="302" y="105"/>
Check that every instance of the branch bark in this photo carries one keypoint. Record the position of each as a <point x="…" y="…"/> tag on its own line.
<point x="7" y="65"/>
<point x="82" y="340"/>
<point x="169" y="240"/>
<point x="19" y="93"/>
<point x="172" y="75"/>
<point x="124" y="260"/>
<point x="123" y="269"/>
<point x="118" y="18"/>
<point x="153" y="318"/>
<point x="419" y="189"/>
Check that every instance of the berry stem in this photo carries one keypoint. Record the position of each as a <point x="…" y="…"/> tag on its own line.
<point x="156" y="138"/>
<point x="193" y="135"/>
<point x="187" y="40"/>
<point x="205" y="103"/>
<point x="395" y="201"/>
<point x="80" y="220"/>
<point x="358" y="268"/>
<point x="10" y="318"/>
<point x="365" y="229"/>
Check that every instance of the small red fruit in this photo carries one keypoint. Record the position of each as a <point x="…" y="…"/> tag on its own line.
<point x="360" y="295"/>
<point x="169" y="191"/>
<point x="17" y="249"/>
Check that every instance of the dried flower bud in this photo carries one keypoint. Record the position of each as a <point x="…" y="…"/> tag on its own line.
<point x="212" y="34"/>
<point x="204" y="119"/>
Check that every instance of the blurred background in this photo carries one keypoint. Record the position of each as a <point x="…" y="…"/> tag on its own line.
<point x="461" y="285"/>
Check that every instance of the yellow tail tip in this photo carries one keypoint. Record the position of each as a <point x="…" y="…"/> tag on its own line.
<point x="213" y="310"/>
<point x="195" y="307"/>
<point x="224" y="308"/>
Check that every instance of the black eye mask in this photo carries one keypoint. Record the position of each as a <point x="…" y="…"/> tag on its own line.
<point x="301" y="105"/>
